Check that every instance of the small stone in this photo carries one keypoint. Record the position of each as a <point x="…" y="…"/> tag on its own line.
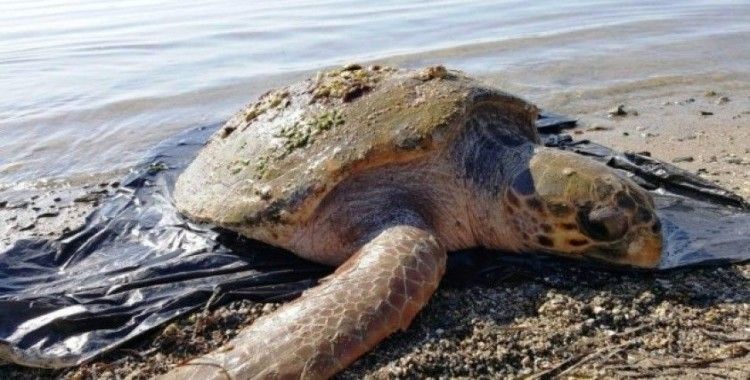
<point x="706" y="113"/>
<point x="267" y="308"/>
<point x="3" y="204"/>
<point x="683" y="159"/>
<point x="722" y="100"/>
<point x="710" y="93"/>
<point x="171" y="331"/>
<point x="26" y="225"/>
<point x="87" y="198"/>
<point x="617" y="111"/>
<point x="48" y="214"/>
<point x="734" y="160"/>
<point x="644" y="153"/>
<point x="626" y="134"/>
<point x="598" y="128"/>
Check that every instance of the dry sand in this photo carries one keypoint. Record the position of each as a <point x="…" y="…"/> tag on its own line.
<point x="692" y="323"/>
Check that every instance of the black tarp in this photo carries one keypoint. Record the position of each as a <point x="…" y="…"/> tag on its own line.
<point x="136" y="263"/>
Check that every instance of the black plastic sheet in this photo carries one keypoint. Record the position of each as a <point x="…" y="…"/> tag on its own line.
<point x="137" y="264"/>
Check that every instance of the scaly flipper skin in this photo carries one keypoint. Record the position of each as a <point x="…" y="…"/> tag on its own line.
<point x="377" y="291"/>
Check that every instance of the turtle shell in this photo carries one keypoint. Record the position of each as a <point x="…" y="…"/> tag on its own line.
<point x="276" y="159"/>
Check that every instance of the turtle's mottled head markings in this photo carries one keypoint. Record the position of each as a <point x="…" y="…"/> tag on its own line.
<point x="577" y="207"/>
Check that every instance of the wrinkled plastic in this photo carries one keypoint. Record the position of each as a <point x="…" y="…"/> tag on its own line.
<point x="136" y="263"/>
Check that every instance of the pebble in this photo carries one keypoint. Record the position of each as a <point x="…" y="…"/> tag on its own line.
<point x="683" y="159"/>
<point x="87" y="198"/>
<point x="710" y="93"/>
<point x="172" y="330"/>
<point x="598" y="128"/>
<point x="23" y="226"/>
<point x="617" y="111"/>
<point x="706" y="113"/>
<point x="722" y="100"/>
<point x="734" y="160"/>
<point x="48" y="214"/>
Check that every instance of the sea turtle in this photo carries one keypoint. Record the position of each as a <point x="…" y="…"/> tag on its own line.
<point x="380" y="172"/>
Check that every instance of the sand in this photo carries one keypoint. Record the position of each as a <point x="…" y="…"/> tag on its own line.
<point x="691" y="323"/>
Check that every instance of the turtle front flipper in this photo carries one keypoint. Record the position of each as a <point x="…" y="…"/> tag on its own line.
<point x="377" y="291"/>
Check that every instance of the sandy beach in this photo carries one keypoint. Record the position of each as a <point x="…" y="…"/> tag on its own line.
<point x="691" y="323"/>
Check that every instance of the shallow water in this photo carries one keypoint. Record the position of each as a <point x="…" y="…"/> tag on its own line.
<point x="87" y="87"/>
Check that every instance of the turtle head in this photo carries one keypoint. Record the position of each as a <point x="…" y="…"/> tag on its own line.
<point x="579" y="207"/>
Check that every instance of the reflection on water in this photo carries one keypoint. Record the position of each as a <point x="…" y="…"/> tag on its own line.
<point x="88" y="86"/>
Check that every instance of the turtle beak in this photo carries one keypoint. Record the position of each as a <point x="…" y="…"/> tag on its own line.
<point x="645" y="251"/>
<point x="642" y="251"/>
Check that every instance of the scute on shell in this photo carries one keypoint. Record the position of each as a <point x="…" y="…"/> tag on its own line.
<point x="276" y="159"/>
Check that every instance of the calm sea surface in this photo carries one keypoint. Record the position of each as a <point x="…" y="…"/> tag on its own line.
<point x="86" y="87"/>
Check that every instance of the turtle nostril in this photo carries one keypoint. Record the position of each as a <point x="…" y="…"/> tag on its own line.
<point x="604" y="224"/>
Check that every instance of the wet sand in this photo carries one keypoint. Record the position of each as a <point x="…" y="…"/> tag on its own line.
<point x="692" y="323"/>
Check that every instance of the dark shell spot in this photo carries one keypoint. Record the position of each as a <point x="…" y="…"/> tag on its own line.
<point x="624" y="201"/>
<point x="535" y="204"/>
<point x="642" y="215"/>
<point x="523" y="183"/>
<point x="577" y="242"/>
<point x="559" y="209"/>
<point x="545" y="241"/>
<point x="546" y="228"/>
<point x="512" y="198"/>
<point x="569" y="226"/>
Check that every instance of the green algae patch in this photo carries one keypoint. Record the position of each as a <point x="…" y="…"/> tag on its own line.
<point x="237" y="166"/>
<point x="271" y="100"/>
<point x="347" y="83"/>
<point x="300" y="134"/>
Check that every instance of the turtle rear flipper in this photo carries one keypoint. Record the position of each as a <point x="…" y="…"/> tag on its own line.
<point x="376" y="292"/>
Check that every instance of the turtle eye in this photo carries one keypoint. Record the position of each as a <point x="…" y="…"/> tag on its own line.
<point x="605" y="224"/>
